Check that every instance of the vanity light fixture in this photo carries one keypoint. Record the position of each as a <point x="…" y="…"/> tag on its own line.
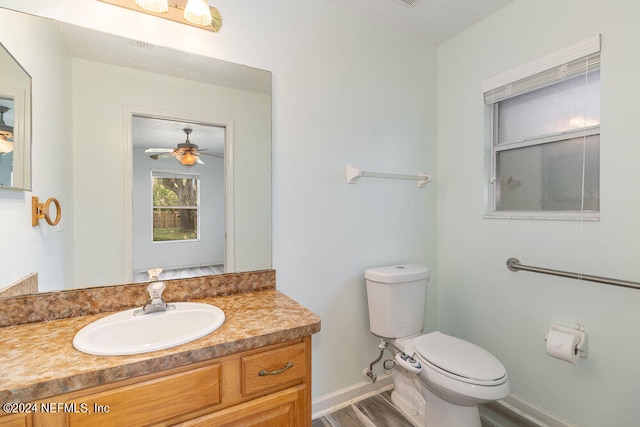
<point x="196" y="13"/>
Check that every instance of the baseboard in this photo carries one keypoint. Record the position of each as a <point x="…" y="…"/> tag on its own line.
<point x="536" y="416"/>
<point x="347" y="396"/>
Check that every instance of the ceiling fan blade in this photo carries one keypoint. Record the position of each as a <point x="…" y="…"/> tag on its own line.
<point x="221" y="156"/>
<point x="198" y="161"/>
<point x="158" y="150"/>
<point x="162" y="155"/>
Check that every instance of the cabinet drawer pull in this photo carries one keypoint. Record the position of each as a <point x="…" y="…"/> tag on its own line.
<point x="264" y="372"/>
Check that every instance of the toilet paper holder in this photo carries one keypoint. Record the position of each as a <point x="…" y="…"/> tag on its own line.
<point x="582" y="348"/>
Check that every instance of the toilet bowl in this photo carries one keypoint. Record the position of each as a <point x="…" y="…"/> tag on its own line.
<point x="456" y="377"/>
<point x="451" y="376"/>
<point x="459" y="371"/>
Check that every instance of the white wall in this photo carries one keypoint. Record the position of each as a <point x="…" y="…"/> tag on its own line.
<point x="344" y="90"/>
<point x="347" y="90"/>
<point x="342" y="93"/>
<point x="507" y="312"/>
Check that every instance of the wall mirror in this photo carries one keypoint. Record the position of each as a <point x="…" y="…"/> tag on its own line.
<point x="15" y="123"/>
<point x="100" y="102"/>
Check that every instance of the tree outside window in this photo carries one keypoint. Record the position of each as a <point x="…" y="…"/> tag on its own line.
<point x="175" y="206"/>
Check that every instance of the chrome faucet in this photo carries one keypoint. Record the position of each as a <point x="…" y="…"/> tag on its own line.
<point x="155" y="303"/>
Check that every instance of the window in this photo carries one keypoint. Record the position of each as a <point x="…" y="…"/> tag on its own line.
<point x="545" y="143"/>
<point x="176" y="201"/>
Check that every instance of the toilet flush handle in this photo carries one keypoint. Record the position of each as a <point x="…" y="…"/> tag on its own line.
<point x="408" y="362"/>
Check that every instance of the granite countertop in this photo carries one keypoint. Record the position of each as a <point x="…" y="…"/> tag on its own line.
<point x="38" y="359"/>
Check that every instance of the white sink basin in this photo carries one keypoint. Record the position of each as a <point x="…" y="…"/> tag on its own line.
<point x="125" y="333"/>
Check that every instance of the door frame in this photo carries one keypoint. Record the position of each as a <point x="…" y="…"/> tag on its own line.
<point x="128" y="112"/>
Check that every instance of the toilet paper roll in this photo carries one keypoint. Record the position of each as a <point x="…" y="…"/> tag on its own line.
<point x="563" y="346"/>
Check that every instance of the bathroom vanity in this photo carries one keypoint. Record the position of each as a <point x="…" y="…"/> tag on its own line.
<point x="254" y="370"/>
<point x="221" y="391"/>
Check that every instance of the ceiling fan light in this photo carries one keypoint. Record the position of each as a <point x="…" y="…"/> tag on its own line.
<point x="5" y="145"/>
<point x="198" y="12"/>
<point x="158" y="6"/>
<point x="188" y="159"/>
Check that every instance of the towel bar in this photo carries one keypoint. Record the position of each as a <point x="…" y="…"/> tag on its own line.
<point x="354" y="173"/>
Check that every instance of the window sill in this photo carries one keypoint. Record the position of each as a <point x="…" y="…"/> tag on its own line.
<point x="549" y="216"/>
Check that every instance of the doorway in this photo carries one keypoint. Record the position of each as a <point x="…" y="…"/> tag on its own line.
<point x="181" y="209"/>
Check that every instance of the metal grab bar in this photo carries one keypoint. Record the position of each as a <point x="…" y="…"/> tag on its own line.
<point x="513" y="264"/>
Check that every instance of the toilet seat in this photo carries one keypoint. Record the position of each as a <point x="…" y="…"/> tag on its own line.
<point x="460" y="359"/>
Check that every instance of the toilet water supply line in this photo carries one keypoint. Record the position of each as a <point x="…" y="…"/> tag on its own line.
<point x="382" y="345"/>
<point x="400" y="359"/>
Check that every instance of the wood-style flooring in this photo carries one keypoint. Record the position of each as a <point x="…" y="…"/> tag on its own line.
<point x="378" y="411"/>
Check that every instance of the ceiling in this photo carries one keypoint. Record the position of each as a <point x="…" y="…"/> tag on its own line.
<point x="150" y="132"/>
<point x="432" y="20"/>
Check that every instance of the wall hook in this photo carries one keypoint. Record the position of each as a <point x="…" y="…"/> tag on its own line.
<point x="41" y="211"/>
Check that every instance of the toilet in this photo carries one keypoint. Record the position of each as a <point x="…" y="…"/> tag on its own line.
<point x="439" y="380"/>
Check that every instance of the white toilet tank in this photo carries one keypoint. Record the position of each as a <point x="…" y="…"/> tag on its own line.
<point x="397" y="298"/>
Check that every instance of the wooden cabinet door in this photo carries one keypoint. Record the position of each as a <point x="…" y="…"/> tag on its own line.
<point x="281" y="409"/>
<point x="138" y="404"/>
<point x="16" y="420"/>
<point x="152" y="401"/>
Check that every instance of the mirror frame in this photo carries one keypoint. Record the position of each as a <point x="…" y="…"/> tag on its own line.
<point x="21" y="173"/>
<point x="129" y="113"/>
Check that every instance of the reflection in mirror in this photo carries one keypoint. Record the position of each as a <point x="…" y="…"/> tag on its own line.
<point x="93" y="89"/>
<point x="178" y="179"/>
<point x="6" y="141"/>
<point x="15" y="123"/>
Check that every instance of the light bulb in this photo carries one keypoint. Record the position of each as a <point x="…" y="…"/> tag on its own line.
<point x="188" y="159"/>
<point x="158" y="6"/>
<point x="198" y="12"/>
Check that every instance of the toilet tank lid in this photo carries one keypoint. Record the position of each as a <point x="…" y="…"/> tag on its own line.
<point x="397" y="273"/>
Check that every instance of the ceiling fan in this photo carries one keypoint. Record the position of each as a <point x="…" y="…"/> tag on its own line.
<point x="186" y="153"/>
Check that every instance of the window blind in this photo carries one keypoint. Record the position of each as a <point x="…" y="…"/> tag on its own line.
<point x="558" y="66"/>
